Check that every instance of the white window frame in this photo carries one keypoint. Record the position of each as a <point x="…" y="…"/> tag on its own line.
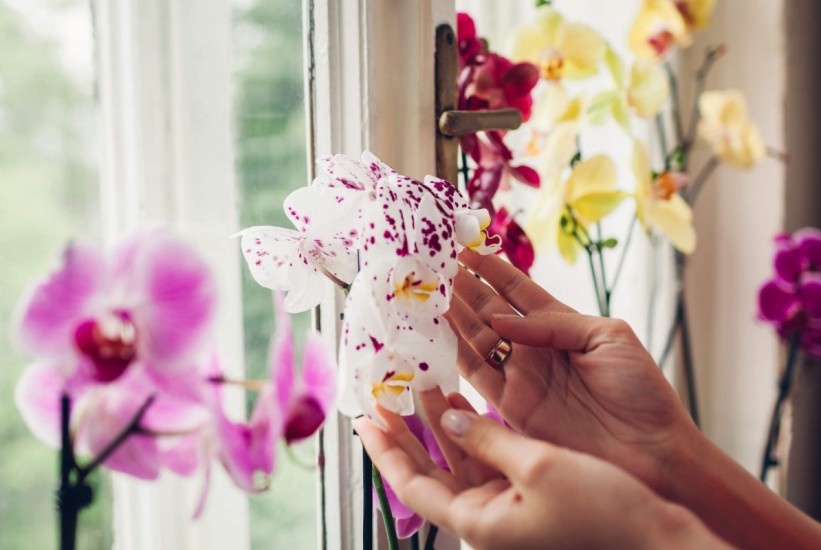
<point x="165" y="76"/>
<point x="165" y="88"/>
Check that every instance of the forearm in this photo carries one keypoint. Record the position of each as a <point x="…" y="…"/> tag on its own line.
<point x="733" y="503"/>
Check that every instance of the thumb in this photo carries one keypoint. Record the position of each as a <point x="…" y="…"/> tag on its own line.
<point x="492" y="443"/>
<point x="557" y="330"/>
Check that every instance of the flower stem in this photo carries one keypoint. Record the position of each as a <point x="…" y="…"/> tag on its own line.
<point x="385" y="507"/>
<point x="465" y="170"/>
<point x="620" y="266"/>
<point x="662" y="140"/>
<point x="603" y="273"/>
<point x="432" y="532"/>
<point x="253" y="385"/>
<point x="702" y="177"/>
<point x="784" y="385"/>
<point x="367" y="501"/>
<point x="675" y="103"/>
<point x="701" y="75"/>
<point x="68" y="504"/>
<point x="131" y="428"/>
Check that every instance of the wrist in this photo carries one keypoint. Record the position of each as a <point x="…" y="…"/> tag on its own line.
<point x="672" y="526"/>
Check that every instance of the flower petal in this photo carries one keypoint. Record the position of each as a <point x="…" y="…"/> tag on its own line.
<point x="53" y="309"/>
<point x="178" y="301"/>
<point x="776" y="302"/>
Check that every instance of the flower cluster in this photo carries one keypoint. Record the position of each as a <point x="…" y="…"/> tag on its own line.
<point x="791" y="300"/>
<point x="127" y="337"/>
<point x="552" y="59"/>
<point x="488" y="80"/>
<point x="391" y="241"/>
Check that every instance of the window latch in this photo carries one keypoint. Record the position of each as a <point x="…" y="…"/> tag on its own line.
<point x="452" y="123"/>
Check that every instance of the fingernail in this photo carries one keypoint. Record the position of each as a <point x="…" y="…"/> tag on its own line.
<point x="456" y="422"/>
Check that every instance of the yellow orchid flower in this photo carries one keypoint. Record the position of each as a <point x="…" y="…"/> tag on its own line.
<point x="696" y="13"/>
<point x="724" y="125"/>
<point x="643" y="94"/>
<point x="563" y="213"/>
<point x="560" y="49"/>
<point x="657" y="28"/>
<point x="659" y="205"/>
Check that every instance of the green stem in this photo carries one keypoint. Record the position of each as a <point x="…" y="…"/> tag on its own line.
<point x="385" y="506"/>
<point x="662" y="140"/>
<point x="623" y="258"/>
<point x="602" y="272"/>
<point x="702" y="177"/>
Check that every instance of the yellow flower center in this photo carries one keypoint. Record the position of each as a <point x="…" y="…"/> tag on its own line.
<point x="551" y="65"/>
<point x="392" y="383"/>
<point x="412" y="288"/>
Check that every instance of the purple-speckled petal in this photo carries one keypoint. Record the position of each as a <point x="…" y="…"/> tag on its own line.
<point x="321" y="212"/>
<point x="343" y="171"/>
<point x="53" y="308"/>
<point x="177" y="302"/>
<point x="270" y="252"/>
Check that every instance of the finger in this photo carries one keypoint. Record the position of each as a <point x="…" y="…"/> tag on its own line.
<point x="459" y="401"/>
<point x="429" y="496"/>
<point x="466" y="468"/>
<point x="435" y="404"/>
<point x="478" y="296"/>
<point x="474" y="330"/>
<point x="487" y="380"/>
<point x="516" y="287"/>
<point x="495" y="445"/>
<point x="561" y="331"/>
<point x="398" y="429"/>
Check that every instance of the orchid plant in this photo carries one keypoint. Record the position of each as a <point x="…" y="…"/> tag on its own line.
<point x="124" y="372"/>
<point x="566" y="79"/>
<point x="791" y="302"/>
<point x="391" y="243"/>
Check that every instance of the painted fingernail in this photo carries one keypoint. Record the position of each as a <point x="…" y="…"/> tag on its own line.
<point x="456" y="422"/>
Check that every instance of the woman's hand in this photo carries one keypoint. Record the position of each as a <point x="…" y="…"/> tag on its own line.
<point x="583" y="382"/>
<point x="512" y="492"/>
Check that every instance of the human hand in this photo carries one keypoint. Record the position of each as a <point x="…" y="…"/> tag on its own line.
<point x="507" y="491"/>
<point x="578" y="381"/>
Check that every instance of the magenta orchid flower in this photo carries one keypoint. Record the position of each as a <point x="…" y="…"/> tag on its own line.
<point x="290" y="406"/>
<point x="791" y="300"/>
<point x="469" y="44"/>
<point x="515" y="243"/>
<point x="113" y="331"/>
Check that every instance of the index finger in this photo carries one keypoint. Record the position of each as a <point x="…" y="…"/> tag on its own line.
<point x="516" y="287"/>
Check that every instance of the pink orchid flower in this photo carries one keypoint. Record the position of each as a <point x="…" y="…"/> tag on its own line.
<point x="791" y="300"/>
<point x="289" y="406"/>
<point x="112" y="331"/>
<point x="515" y="243"/>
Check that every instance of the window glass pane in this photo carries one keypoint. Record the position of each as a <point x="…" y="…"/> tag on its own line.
<point x="48" y="194"/>
<point x="270" y="132"/>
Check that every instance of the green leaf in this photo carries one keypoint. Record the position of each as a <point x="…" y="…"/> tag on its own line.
<point x="609" y="243"/>
<point x="540" y="3"/>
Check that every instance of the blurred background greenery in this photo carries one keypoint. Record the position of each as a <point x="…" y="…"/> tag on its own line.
<point x="49" y="158"/>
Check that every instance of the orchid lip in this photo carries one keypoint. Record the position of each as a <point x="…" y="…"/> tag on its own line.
<point x="109" y="342"/>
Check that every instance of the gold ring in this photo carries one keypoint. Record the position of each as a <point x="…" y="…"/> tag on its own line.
<point x="497" y="356"/>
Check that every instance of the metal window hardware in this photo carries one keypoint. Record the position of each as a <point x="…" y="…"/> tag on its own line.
<point x="452" y="123"/>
